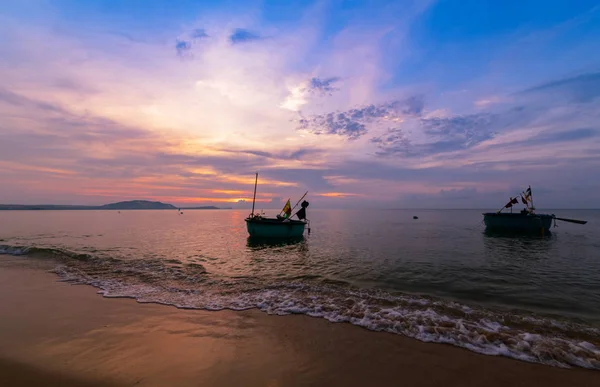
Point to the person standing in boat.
(301, 214)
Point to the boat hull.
(517, 222)
(275, 228)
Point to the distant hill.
(137, 205)
(127, 205)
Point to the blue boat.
(524, 221)
(281, 226)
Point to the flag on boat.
(523, 200)
(512, 201)
(526, 196)
(287, 209)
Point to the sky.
(378, 104)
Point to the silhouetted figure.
(301, 214)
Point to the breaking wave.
(520, 335)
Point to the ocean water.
(440, 278)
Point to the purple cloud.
(323, 86)
(353, 123)
(394, 141)
(199, 33)
(183, 47)
(580, 89)
(240, 35)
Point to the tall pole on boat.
(298, 202)
(531, 193)
(254, 197)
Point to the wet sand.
(56, 334)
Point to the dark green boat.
(518, 221)
(281, 226)
(262, 227)
(524, 221)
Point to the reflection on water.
(258, 243)
(536, 235)
(508, 243)
(513, 246)
(281, 258)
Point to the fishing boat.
(524, 221)
(281, 226)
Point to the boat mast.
(532, 207)
(254, 197)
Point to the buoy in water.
(415, 217)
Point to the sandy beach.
(56, 334)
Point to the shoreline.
(55, 333)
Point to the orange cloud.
(340, 180)
(249, 180)
(337, 194)
(35, 168)
(228, 191)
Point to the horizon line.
(232, 207)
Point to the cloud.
(290, 154)
(581, 89)
(300, 94)
(240, 35)
(412, 106)
(15, 99)
(566, 136)
(94, 116)
(557, 137)
(446, 135)
(457, 194)
(183, 47)
(322, 86)
(61, 129)
(353, 123)
(459, 131)
(335, 123)
(394, 141)
(102, 158)
(199, 33)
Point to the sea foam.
(524, 336)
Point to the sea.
(439, 278)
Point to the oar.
(298, 202)
(572, 220)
